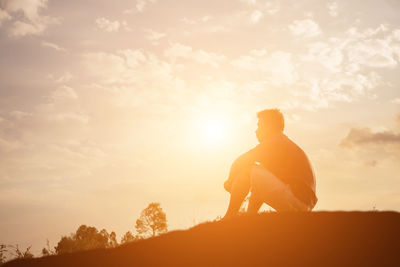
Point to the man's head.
(270, 122)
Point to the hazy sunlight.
(212, 130)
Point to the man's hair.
(273, 118)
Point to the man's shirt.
(288, 162)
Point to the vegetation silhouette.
(15, 252)
(3, 250)
(128, 237)
(152, 222)
(86, 237)
(270, 239)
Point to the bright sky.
(106, 106)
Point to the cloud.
(64, 92)
(30, 8)
(219, 28)
(3, 16)
(69, 117)
(364, 136)
(154, 36)
(53, 46)
(348, 68)
(7, 146)
(203, 19)
(333, 9)
(377, 53)
(329, 56)
(278, 65)
(142, 4)
(32, 22)
(17, 114)
(131, 78)
(110, 26)
(256, 16)
(178, 51)
(306, 28)
(249, 2)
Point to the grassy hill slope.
(271, 239)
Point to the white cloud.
(154, 36)
(305, 28)
(256, 16)
(132, 78)
(206, 18)
(108, 67)
(125, 67)
(33, 23)
(278, 65)
(258, 53)
(141, 4)
(396, 34)
(30, 8)
(203, 19)
(17, 114)
(343, 69)
(133, 57)
(69, 117)
(189, 21)
(219, 28)
(3, 16)
(366, 48)
(395, 101)
(61, 79)
(272, 7)
(53, 46)
(22, 28)
(376, 53)
(7, 146)
(333, 9)
(330, 56)
(249, 2)
(110, 26)
(37, 27)
(64, 92)
(177, 51)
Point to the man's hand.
(228, 185)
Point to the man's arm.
(243, 163)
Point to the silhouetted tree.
(128, 237)
(112, 238)
(3, 250)
(18, 254)
(47, 251)
(86, 237)
(152, 221)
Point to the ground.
(270, 239)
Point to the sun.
(212, 130)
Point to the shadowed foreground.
(300, 239)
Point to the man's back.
(287, 161)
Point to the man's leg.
(266, 187)
(240, 189)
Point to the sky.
(106, 106)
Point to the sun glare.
(212, 130)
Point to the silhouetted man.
(276, 171)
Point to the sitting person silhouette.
(276, 171)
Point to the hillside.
(289, 239)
